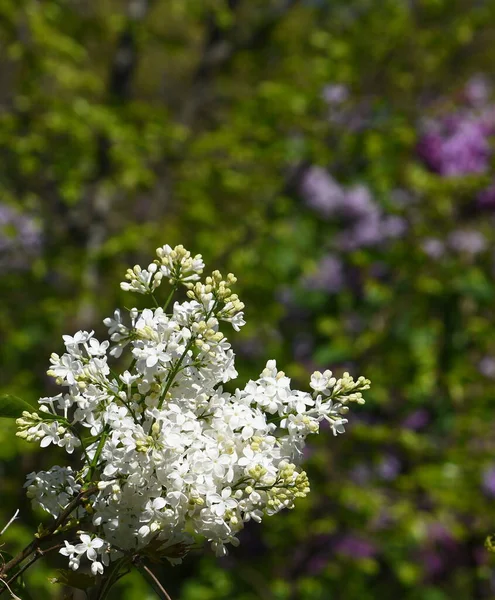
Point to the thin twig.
(39, 553)
(10, 522)
(60, 520)
(154, 578)
(7, 587)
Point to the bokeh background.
(338, 157)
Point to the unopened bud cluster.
(172, 457)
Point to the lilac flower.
(321, 192)
(433, 247)
(467, 241)
(488, 481)
(393, 226)
(486, 367)
(336, 93)
(20, 238)
(359, 203)
(477, 91)
(355, 547)
(360, 474)
(457, 145)
(437, 532)
(329, 276)
(416, 420)
(430, 149)
(466, 150)
(364, 223)
(389, 467)
(433, 562)
(486, 198)
(371, 231)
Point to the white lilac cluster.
(167, 456)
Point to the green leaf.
(12, 407)
(80, 581)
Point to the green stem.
(96, 457)
(154, 300)
(173, 372)
(170, 296)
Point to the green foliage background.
(127, 125)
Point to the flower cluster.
(167, 456)
(459, 143)
(20, 238)
(364, 222)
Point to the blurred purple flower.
(416, 420)
(486, 367)
(389, 467)
(477, 91)
(335, 93)
(355, 547)
(371, 231)
(20, 238)
(285, 295)
(360, 474)
(433, 562)
(488, 481)
(458, 145)
(437, 532)
(486, 198)
(358, 203)
(329, 276)
(467, 241)
(364, 224)
(321, 192)
(433, 247)
(393, 226)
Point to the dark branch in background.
(222, 44)
(121, 73)
(97, 202)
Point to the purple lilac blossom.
(477, 91)
(437, 532)
(371, 231)
(335, 93)
(486, 367)
(364, 226)
(360, 474)
(467, 241)
(329, 276)
(433, 247)
(321, 192)
(432, 562)
(389, 467)
(355, 547)
(20, 238)
(488, 481)
(359, 203)
(416, 420)
(458, 145)
(486, 198)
